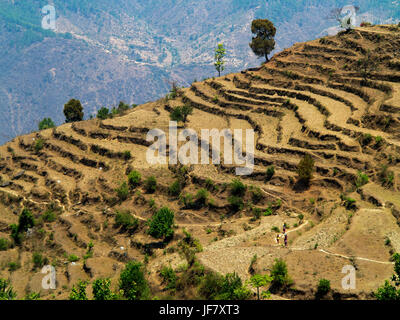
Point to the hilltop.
(309, 99)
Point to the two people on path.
(284, 235)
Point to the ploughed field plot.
(310, 99)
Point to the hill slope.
(106, 51)
(309, 99)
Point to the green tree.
(46, 123)
(150, 184)
(258, 281)
(102, 290)
(126, 221)
(390, 290)
(134, 178)
(79, 292)
(180, 114)
(161, 224)
(103, 113)
(219, 58)
(305, 169)
(367, 64)
(73, 111)
(263, 42)
(279, 274)
(133, 283)
(324, 286)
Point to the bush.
(49, 216)
(236, 203)
(175, 189)
(256, 194)
(270, 173)
(39, 144)
(126, 222)
(126, 155)
(73, 111)
(202, 197)
(305, 169)
(12, 266)
(122, 107)
(216, 287)
(348, 203)
(79, 292)
(134, 179)
(38, 260)
(6, 290)
(180, 114)
(169, 277)
(46, 123)
(161, 224)
(103, 113)
(102, 290)
(187, 200)
(150, 184)
(123, 191)
(324, 286)
(73, 258)
(238, 188)
(25, 221)
(257, 213)
(366, 139)
(279, 274)
(362, 179)
(133, 283)
(386, 177)
(4, 244)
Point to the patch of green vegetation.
(161, 224)
(125, 221)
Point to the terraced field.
(309, 99)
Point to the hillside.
(106, 51)
(309, 99)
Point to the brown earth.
(309, 99)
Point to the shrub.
(202, 197)
(103, 113)
(256, 194)
(386, 177)
(180, 114)
(133, 283)
(6, 290)
(38, 260)
(324, 286)
(134, 178)
(4, 244)
(236, 203)
(187, 200)
(126, 221)
(210, 185)
(161, 224)
(73, 258)
(169, 277)
(123, 191)
(366, 139)
(279, 274)
(79, 292)
(305, 169)
(175, 189)
(46, 123)
(12, 266)
(49, 216)
(122, 107)
(270, 173)
(256, 213)
(275, 229)
(362, 179)
(73, 111)
(102, 290)
(268, 212)
(39, 144)
(126, 155)
(150, 184)
(238, 188)
(348, 203)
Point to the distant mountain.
(106, 51)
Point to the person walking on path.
(284, 228)
(286, 239)
(277, 238)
